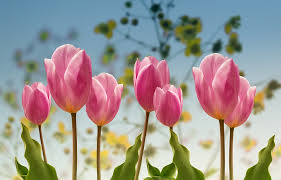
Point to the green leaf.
(22, 170)
(128, 168)
(159, 178)
(169, 170)
(260, 170)
(37, 167)
(181, 160)
(152, 171)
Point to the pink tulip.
(244, 106)
(217, 85)
(104, 99)
(36, 102)
(168, 104)
(148, 75)
(69, 75)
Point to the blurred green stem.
(42, 143)
(74, 149)
(222, 169)
(98, 153)
(231, 154)
(142, 146)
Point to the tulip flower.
(69, 76)
(103, 105)
(240, 114)
(217, 84)
(36, 102)
(148, 75)
(168, 104)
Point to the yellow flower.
(248, 144)
(206, 144)
(62, 129)
(259, 102)
(106, 29)
(105, 162)
(117, 141)
(123, 140)
(111, 138)
(277, 152)
(185, 116)
(17, 177)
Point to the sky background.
(260, 35)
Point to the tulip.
(168, 104)
(103, 105)
(240, 114)
(69, 75)
(217, 84)
(36, 102)
(148, 75)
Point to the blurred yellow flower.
(206, 144)
(185, 116)
(277, 152)
(17, 177)
(248, 143)
(105, 162)
(62, 130)
(113, 140)
(259, 102)
(27, 123)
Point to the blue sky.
(260, 35)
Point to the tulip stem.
(42, 143)
(231, 154)
(98, 153)
(222, 169)
(142, 146)
(74, 149)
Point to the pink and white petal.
(77, 78)
(62, 57)
(164, 71)
(158, 94)
(97, 103)
(136, 70)
(244, 87)
(27, 91)
(108, 82)
(204, 93)
(226, 85)
(148, 80)
(210, 64)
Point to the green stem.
(98, 153)
(231, 154)
(222, 169)
(42, 143)
(74, 149)
(142, 146)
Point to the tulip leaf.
(169, 170)
(128, 168)
(260, 170)
(37, 167)
(152, 171)
(182, 162)
(159, 178)
(22, 170)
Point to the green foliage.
(260, 170)
(109, 54)
(127, 169)
(210, 172)
(22, 170)
(167, 172)
(37, 167)
(182, 162)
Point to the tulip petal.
(169, 110)
(136, 70)
(157, 97)
(147, 81)
(62, 56)
(56, 85)
(113, 103)
(210, 65)
(108, 82)
(226, 87)
(97, 103)
(27, 91)
(37, 108)
(204, 92)
(164, 71)
(77, 78)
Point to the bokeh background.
(114, 34)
